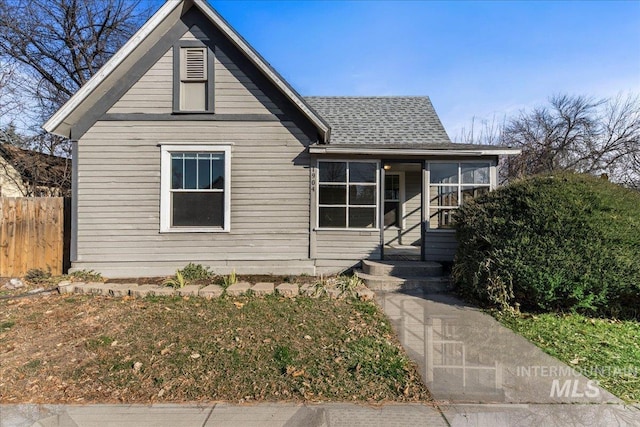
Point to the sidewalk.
(222, 414)
(480, 374)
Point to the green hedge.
(552, 243)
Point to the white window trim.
(165, 186)
(376, 228)
(491, 186)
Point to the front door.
(402, 210)
(393, 204)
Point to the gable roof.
(62, 121)
(38, 168)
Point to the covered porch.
(393, 205)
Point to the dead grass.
(81, 349)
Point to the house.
(29, 173)
(189, 147)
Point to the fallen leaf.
(137, 366)
(238, 305)
(195, 355)
(307, 337)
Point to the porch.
(392, 209)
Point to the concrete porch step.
(393, 284)
(402, 269)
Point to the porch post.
(423, 214)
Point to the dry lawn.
(81, 349)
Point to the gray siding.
(119, 197)
(440, 245)
(235, 92)
(153, 93)
(412, 213)
(341, 249)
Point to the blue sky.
(473, 58)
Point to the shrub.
(552, 243)
(196, 272)
(190, 273)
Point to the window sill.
(179, 112)
(194, 230)
(373, 230)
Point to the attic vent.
(194, 64)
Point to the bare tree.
(62, 43)
(8, 101)
(482, 131)
(574, 133)
(53, 48)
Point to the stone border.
(287, 290)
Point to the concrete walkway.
(480, 373)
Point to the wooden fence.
(34, 233)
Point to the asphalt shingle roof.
(381, 120)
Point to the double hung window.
(195, 188)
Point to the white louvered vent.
(194, 64)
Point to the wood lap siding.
(440, 245)
(236, 93)
(412, 213)
(119, 193)
(347, 245)
(153, 93)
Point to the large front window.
(195, 188)
(450, 185)
(347, 194)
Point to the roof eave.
(333, 149)
(74, 102)
(322, 126)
